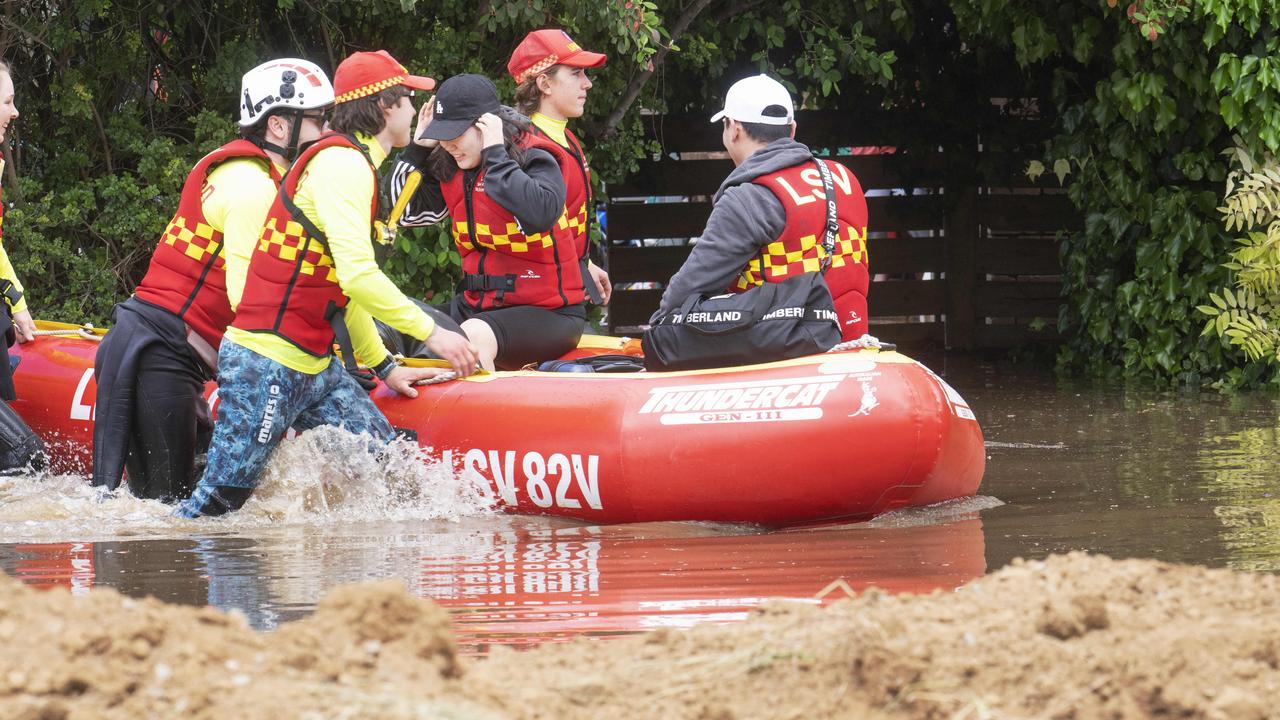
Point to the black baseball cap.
(460, 101)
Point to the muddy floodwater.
(1183, 477)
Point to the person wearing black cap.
(521, 299)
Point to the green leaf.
(1061, 168)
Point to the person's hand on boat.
(454, 349)
(490, 130)
(601, 279)
(365, 378)
(427, 112)
(24, 326)
(403, 378)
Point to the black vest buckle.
(489, 283)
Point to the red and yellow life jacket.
(798, 249)
(502, 265)
(578, 205)
(187, 275)
(292, 288)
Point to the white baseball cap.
(748, 98)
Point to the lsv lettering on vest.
(811, 176)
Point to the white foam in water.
(325, 474)
(330, 473)
(943, 512)
(1024, 446)
(66, 507)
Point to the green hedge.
(120, 97)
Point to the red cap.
(365, 73)
(542, 49)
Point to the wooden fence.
(963, 246)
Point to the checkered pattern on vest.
(544, 266)
(783, 260)
(187, 273)
(285, 239)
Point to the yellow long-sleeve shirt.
(554, 129)
(237, 196)
(7, 272)
(6, 268)
(335, 192)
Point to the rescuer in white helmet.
(151, 416)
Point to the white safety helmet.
(283, 83)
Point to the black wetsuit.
(20, 449)
(151, 417)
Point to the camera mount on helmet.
(287, 85)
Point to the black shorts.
(527, 334)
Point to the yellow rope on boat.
(866, 341)
(85, 331)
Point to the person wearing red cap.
(550, 71)
(152, 367)
(313, 280)
(521, 299)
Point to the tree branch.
(638, 82)
(482, 13)
(102, 133)
(735, 9)
(10, 171)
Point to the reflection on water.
(1184, 477)
(520, 580)
(1181, 476)
(1242, 465)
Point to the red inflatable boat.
(833, 437)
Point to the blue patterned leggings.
(258, 401)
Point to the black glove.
(366, 378)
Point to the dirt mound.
(369, 651)
(1073, 637)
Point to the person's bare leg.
(484, 341)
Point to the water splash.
(322, 475)
(45, 507)
(329, 473)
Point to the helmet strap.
(275, 149)
(290, 150)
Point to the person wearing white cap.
(769, 215)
